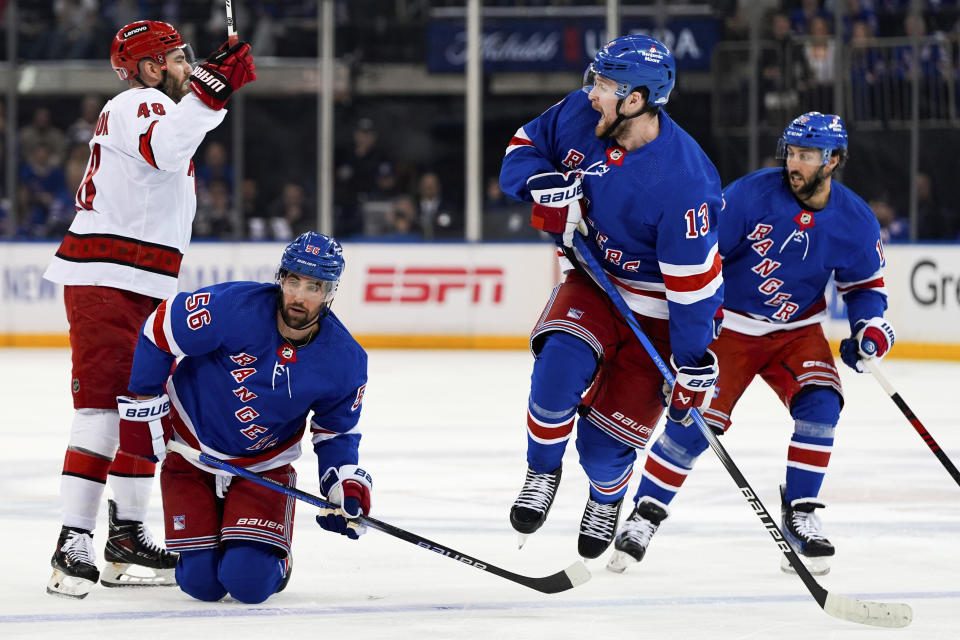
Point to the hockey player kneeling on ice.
(255, 361)
(608, 162)
(784, 232)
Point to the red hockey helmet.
(139, 40)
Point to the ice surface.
(444, 438)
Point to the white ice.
(444, 437)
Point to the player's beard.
(807, 187)
(606, 129)
(175, 89)
(297, 321)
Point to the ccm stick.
(573, 576)
(934, 447)
(878, 614)
(231, 24)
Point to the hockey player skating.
(256, 359)
(783, 233)
(122, 253)
(607, 161)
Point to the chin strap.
(620, 118)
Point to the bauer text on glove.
(145, 426)
(349, 489)
(692, 389)
(557, 204)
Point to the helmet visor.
(308, 289)
(811, 156)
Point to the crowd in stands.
(379, 191)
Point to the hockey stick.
(231, 24)
(911, 416)
(573, 576)
(879, 614)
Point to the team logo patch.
(575, 314)
(615, 156)
(804, 220)
(359, 400)
(76, 385)
(179, 523)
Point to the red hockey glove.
(145, 426)
(872, 339)
(557, 204)
(348, 487)
(693, 388)
(225, 71)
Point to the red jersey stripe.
(696, 281)
(146, 150)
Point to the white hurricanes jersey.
(136, 204)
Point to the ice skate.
(802, 528)
(597, 527)
(635, 534)
(133, 559)
(74, 564)
(530, 509)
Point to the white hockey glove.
(145, 426)
(557, 204)
(871, 339)
(349, 488)
(693, 388)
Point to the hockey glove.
(226, 70)
(871, 339)
(557, 204)
(145, 426)
(349, 488)
(692, 389)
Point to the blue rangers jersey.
(240, 391)
(778, 256)
(651, 214)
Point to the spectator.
(251, 205)
(437, 218)
(802, 16)
(892, 227)
(215, 218)
(355, 177)
(76, 22)
(505, 218)
(215, 166)
(783, 71)
(402, 221)
(45, 181)
(41, 130)
(83, 127)
(287, 217)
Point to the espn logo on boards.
(422, 285)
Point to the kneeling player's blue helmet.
(633, 62)
(313, 255)
(818, 130)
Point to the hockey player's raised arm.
(169, 141)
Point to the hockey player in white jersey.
(122, 253)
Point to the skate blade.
(819, 566)
(522, 539)
(121, 574)
(619, 562)
(61, 584)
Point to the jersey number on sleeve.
(199, 317)
(87, 190)
(693, 231)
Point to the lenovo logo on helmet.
(135, 31)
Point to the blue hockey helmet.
(818, 130)
(633, 62)
(313, 255)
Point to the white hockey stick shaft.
(231, 23)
